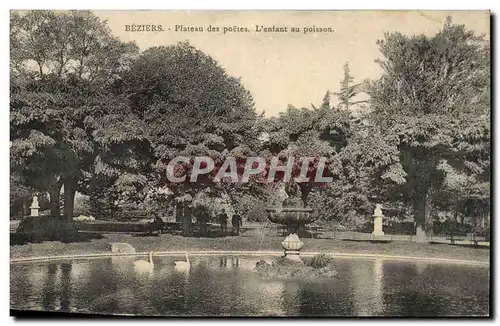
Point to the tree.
(300, 133)
(368, 171)
(188, 106)
(431, 91)
(62, 64)
(348, 90)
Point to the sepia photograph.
(246, 163)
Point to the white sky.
(282, 69)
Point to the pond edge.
(248, 253)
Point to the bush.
(320, 261)
(82, 205)
(84, 218)
(321, 266)
(47, 228)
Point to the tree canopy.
(89, 113)
(433, 97)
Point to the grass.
(168, 242)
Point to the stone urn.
(292, 218)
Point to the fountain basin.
(292, 218)
(287, 215)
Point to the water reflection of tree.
(329, 297)
(368, 282)
(100, 295)
(168, 292)
(49, 288)
(65, 290)
(439, 290)
(21, 288)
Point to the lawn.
(167, 242)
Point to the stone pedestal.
(377, 221)
(292, 246)
(35, 207)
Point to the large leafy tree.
(187, 106)
(434, 97)
(320, 132)
(62, 64)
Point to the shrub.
(47, 228)
(82, 205)
(320, 261)
(281, 268)
(84, 218)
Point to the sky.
(289, 68)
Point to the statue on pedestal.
(35, 207)
(377, 221)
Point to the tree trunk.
(429, 223)
(420, 232)
(69, 198)
(422, 209)
(187, 222)
(304, 194)
(54, 192)
(26, 209)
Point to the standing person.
(223, 221)
(236, 222)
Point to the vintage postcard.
(250, 163)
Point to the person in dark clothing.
(203, 222)
(223, 222)
(236, 222)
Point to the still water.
(227, 286)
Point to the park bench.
(315, 231)
(474, 238)
(451, 238)
(281, 230)
(172, 228)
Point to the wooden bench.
(172, 228)
(475, 239)
(281, 230)
(450, 238)
(315, 231)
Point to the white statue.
(377, 221)
(378, 210)
(34, 206)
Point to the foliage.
(348, 90)
(18, 190)
(89, 114)
(432, 99)
(62, 64)
(320, 132)
(82, 205)
(282, 268)
(47, 228)
(320, 261)
(212, 119)
(84, 218)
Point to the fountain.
(293, 218)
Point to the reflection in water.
(227, 286)
(368, 283)
(49, 288)
(273, 292)
(65, 286)
(421, 267)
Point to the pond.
(227, 286)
